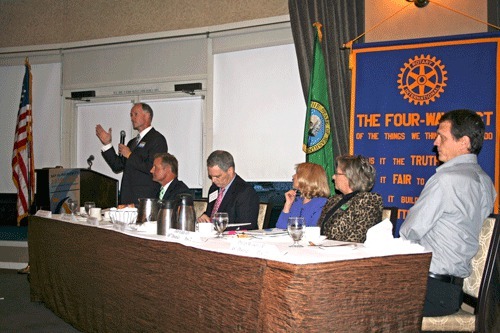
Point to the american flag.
(23, 167)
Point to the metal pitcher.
(148, 210)
(164, 220)
(184, 215)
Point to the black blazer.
(137, 181)
(241, 202)
(175, 188)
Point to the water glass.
(296, 228)
(220, 221)
(88, 205)
(72, 206)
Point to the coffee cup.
(205, 228)
(95, 212)
(313, 233)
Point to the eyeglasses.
(339, 174)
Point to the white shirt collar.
(145, 131)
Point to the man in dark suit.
(229, 192)
(164, 171)
(136, 158)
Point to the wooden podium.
(55, 185)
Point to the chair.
(391, 213)
(264, 215)
(200, 206)
(480, 288)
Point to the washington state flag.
(317, 139)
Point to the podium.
(54, 186)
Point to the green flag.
(317, 137)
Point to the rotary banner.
(401, 89)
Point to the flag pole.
(30, 139)
(317, 142)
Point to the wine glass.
(220, 221)
(72, 205)
(296, 227)
(88, 205)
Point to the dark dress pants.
(442, 298)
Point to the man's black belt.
(448, 279)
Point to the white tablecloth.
(266, 247)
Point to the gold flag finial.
(318, 26)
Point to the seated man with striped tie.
(164, 171)
(230, 193)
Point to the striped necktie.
(136, 142)
(217, 202)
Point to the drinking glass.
(72, 205)
(220, 221)
(88, 205)
(296, 227)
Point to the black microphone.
(89, 161)
(122, 138)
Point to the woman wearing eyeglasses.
(347, 216)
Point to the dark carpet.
(13, 233)
(19, 314)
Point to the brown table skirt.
(103, 281)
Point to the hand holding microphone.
(123, 149)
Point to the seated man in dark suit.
(164, 171)
(229, 192)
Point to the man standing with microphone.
(136, 158)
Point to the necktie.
(218, 201)
(136, 142)
(162, 192)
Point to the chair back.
(200, 206)
(488, 307)
(391, 213)
(264, 214)
(472, 283)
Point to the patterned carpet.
(13, 233)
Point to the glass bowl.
(121, 218)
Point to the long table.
(101, 280)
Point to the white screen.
(259, 111)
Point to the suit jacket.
(352, 220)
(240, 202)
(175, 188)
(137, 181)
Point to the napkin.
(379, 238)
(379, 234)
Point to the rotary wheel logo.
(422, 80)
